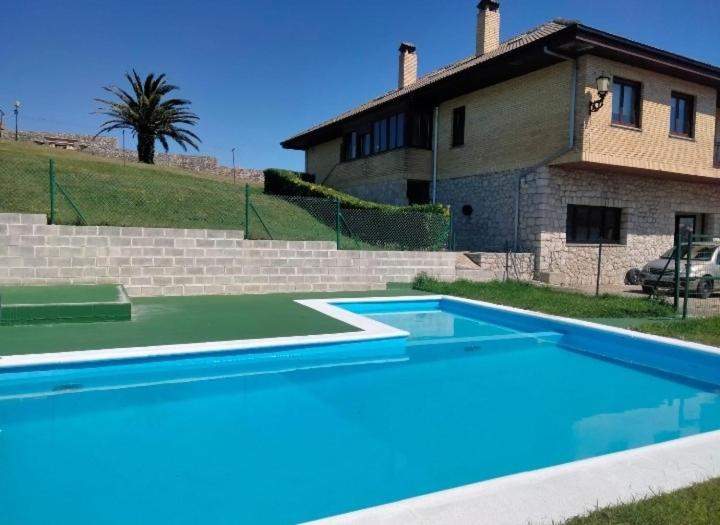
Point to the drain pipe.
(563, 151)
(436, 118)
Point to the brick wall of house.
(321, 159)
(510, 125)
(651, 146)
(379, 177)
(161, 261)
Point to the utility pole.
(2, 115)
(233, 164)
(123, 147)
(17, 109)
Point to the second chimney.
(488, 27)
(407, 72)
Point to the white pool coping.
(368, 330)
(552, 495)
(537, 497)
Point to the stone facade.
(649, 206)
(104, 146)
(506, 265)
(488, 223)
(161, 261)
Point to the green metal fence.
(350, 228)
(689, 276)
(104, 193)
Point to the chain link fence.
(103, 193)
(687, 275)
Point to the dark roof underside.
(514, 57)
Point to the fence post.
(687, 277)
(676, 298)
(599, 268)
(450, 243)
(51, 180)
(337, 223)
(247, 211)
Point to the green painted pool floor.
(63, 303)
(66, 294)
(175, 320)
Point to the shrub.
(424, 227)
(286, 182)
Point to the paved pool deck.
(178, 320)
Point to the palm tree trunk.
(146, 148)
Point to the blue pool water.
(288, 436)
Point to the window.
(389, 133)
(349, 150)
(589, 224)
(458, 127)
(421, 130)
(418, 191)
(400, 130)
(626, 103)
(382, 135)
(366, 144)
(392, 132)
(682, 111)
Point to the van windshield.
(699, 253)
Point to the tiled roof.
(447, 71)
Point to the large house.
(546, 142)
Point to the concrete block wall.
(164, 261)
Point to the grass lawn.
(549, 300)
(696, 505)
(700, 330)
(108, 193)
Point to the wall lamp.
(603, 87)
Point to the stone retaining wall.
(162, 261)
(104, 146)
(516, 266)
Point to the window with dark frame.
(366, 144)
(458, 127)
(389, 133)
(590, 224)
(626, 102)
(682, 113)
(349, 148)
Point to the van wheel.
(705, 287)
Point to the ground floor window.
(590, 224)
(418, 192)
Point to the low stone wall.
(161, 261)
(104, 146)
(517, 266)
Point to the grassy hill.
(108, 193)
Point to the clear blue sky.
(259, 71)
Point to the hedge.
(286, 182)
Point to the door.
(685, 227)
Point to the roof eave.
(305, 140)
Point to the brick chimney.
(407, 72)
(488, 27)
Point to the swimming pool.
(295, 433)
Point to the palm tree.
(149, 116)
